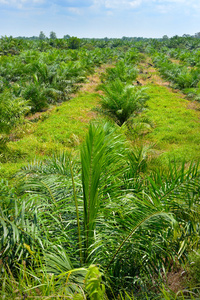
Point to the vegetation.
(121, 101)
(99, 206)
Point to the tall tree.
(74, 42)
(42, 35)
(53, 35)
(165, 37)
(67, 36)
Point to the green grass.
(176, 131)
(67, 121)
(62, 128)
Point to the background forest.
(99, 181)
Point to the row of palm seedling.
(33, 80)
(122, 97)
(47, 77)
(185, 56)
(182, 77)
(188, 61)
(14, 46)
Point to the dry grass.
(94, 80)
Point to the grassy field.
(175, 121)
(103, 204)
(174, 132)
(176, 126)
(61, 128)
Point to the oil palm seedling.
(12, 111)
(62, 183)
(127, 73)
(92, 217)
(121, 101)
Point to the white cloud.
(186, 3)
(74, 10)
(122, 4)
(106, 6)
(39, 1)
(161, 5)
(135, 3)
(117, 4)
(109, 13)
(169, 1)
(163, 9)
(19, 3)
(186, 6)
(112, 4)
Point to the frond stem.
(77, 214)
(129, 235)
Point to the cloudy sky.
(99, 18)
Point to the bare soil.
(94, 80)
(175, 280)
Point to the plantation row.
(100, 223)
(179, 75)
(179, 64)
(33, 80)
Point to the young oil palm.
(123, 71)
(59, 183)
(12, 111)
(121, 101)
(94, 216)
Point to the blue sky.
(100, 18)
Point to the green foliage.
(139, 223)
(42, 35)
(52, 35)
(97, 152)
(181, 76)
(92, 158)
(102, 208)
(138, 158)
(123, 71)
(34, 283)
(48, 77)
(73, 42)
(122, 101)
(12, 111)
(18, 219)
(193, 269)
(93, 283)
(36, 95)
(175, 127)
(185, 294)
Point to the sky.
(100, 18)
